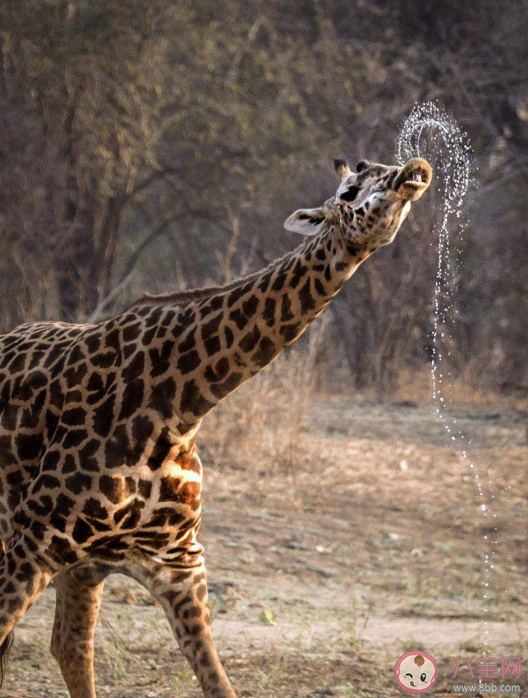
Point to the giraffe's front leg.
(183, 595)
(23, 577)
(76, 611)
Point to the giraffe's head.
(370, 204)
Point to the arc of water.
(455, 170)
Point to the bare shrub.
(260, 427)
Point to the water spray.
(453, 163)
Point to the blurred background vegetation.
(159, 145)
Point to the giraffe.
(99, 469)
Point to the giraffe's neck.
(224, 339)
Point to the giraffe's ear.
(306, 221)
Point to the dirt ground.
(325, 570)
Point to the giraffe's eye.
(409, 675)
(423, 677)
(350, 195)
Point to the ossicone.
(342, 168)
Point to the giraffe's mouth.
(413, 179)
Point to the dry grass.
(467, 390)
(259, 428)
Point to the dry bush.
(260, 427)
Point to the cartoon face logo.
(416, 671)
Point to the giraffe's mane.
(183, 298)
